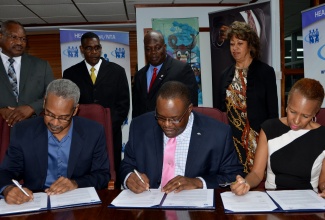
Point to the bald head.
(155, 48)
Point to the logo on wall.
(321, 53)
(313, 36)
(119, 53)
(71, 51)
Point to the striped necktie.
(12, 77)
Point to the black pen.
(137, 173)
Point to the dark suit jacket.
(211, 153)
(111, 89)
(27, 155)
(221, 55)
(171, 70)
(262, 98)
(35, 75)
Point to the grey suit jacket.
(35, 75)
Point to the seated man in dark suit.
(177, 149)
(56, 153)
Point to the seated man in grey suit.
(56, 153)
(23, 78)
(176, 149)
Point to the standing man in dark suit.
(57, 152)
(161, 68)
(109, 87)
(203, 153)
(23, 78)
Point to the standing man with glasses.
(23, 78)
(176, 149)
(104, 83)
(160, 69)
(56, 153)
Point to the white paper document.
(39, 203)
(75, 197)
(127, 198)
(253, 201)
(297, 199)
(190, 198)
(197, 198)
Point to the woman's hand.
(240, 186)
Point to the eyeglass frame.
(171, 120)
(59, 118)
(15, 38)
(89, 49)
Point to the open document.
(298, 200)
(77, 197)
(273, 201)
(196, 199)
(253, 201)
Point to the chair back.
(213, 113)
(103, 116)
(320, 117)
(4, 138)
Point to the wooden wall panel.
(47, 47)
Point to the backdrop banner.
(115, 48)
(313, 28)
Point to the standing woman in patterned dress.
(248, 90)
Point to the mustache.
(53, 127)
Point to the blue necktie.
(13, 78)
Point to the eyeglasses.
(62, 118)
(15, 38)
(171, 120)
(90, 49)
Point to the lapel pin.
(198, 133)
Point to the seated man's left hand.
(61, 185)
(18, 114)
(180, 183)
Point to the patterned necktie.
(250, 20)
(93, 75)
(168, 172)
(12, 77)
(154, 75)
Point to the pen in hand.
(138, 175)
(19, 186)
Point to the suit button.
(96, 100)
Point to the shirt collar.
(187, 130)
(96, 66)
(69, 134)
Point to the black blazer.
(171, 70)
(111, 89)
(262, 98)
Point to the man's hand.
(13, 195)
(180, 183)
(222, 34)
(5, 112)
(61, 185)
(18, 114)
(136, 185)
